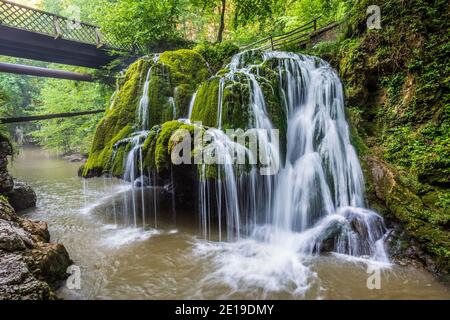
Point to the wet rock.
(416, 238)
(350, 230)
(329, 234)
(405, 250)
(12, 237)
(382, 176)
(37, 229)
(48, 261)
(18, 283)
(142, 181)
(361, 220)
(7, 212)
(22, 196)
(76, 157)
(30, 266)
(328, 240)
(360, 227)
(6, 181)
(12, 269)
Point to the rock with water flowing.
(314, 186)
(142, 181)
(153, 90)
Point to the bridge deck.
(24, 44)
(34, 34)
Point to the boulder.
(30, 266)
(142, 181)
(18, 283)
(22, 196)
(12, 237)
(76, 157)
(6, 181)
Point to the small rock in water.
(142, 181)
(22, 196)
(169, 187)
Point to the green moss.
(235, 104)
(99, 161)
(117, 121)
(218, 54)
(158, 146)
(182, 96)
(327, 50)
(357, 142)
(275, 105)
(117, 167)
(162, 153)
(425, 225)
(148, 148)
(206, 102)
(176, 74)
(185, 67)
(236, 108)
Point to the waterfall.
(143, 112)
(316, 196)
(133, 166)
(114, 96)
(191, 105)
(318, 192)
(173, 106)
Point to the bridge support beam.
(49, 116)
(43, 72)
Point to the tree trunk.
(222, 22)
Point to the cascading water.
(314, 203)
(173, 106)
(114, 97)
(143, 114)
(191, 105)
(318, 194)
(134, 166)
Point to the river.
(173, 262)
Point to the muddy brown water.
(172, 262)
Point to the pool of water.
(167, 261)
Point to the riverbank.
(31, 267)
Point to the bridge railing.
(38, 21)
(277, 42)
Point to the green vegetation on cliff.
(398, 94)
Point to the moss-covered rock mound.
(170, 80)
(172, 77)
